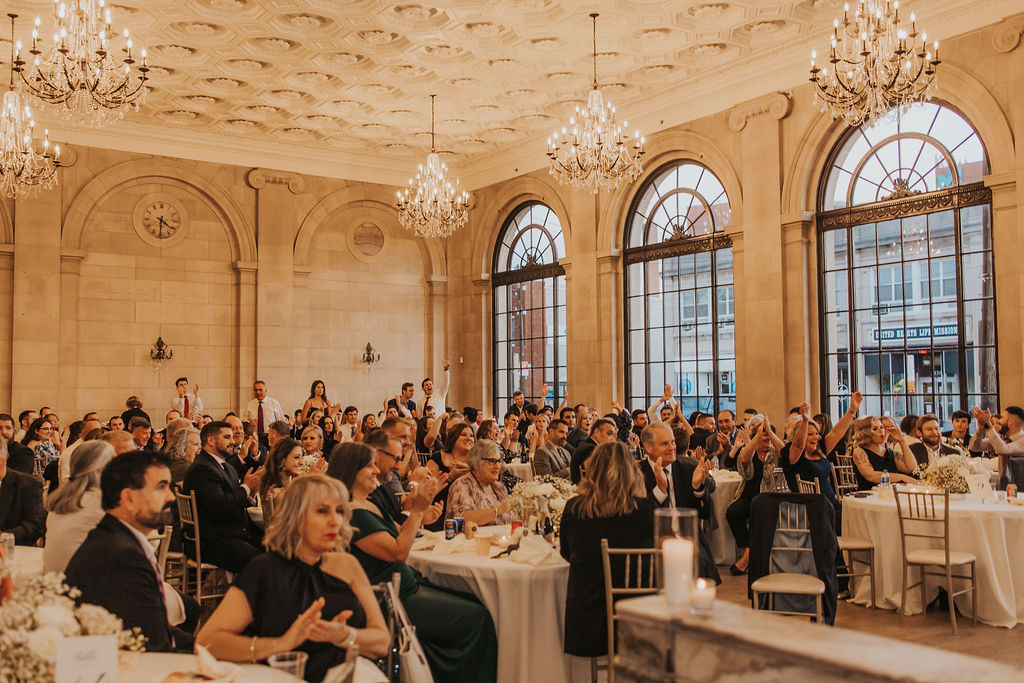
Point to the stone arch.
(959, 89)
(518, 191)
(239, 232)
(672, 146)
(376, 198)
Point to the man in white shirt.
(667, 407)
(262, 410)
(64, 465)
(348, 425)
(26, 418)
(987, 438)
(436, 400)
(188, 404)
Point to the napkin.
(209, 668)
(459, 544)
(535, 551)
(427, 540)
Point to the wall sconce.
(370, 358)
(161, 352)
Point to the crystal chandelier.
(23, 169)
(874, 64)
(81, 79)
(432, 205)
(593, 151)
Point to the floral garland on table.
(530, 496)
(37, 613)
(949, 471)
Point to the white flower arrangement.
(530, 496)
(949, 471)
(41, 611)
(311, 462)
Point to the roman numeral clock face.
(160, 220)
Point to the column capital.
(775, 106)
(259, 178)
(1006, 35)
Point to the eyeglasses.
(491, 461)
(45, 429)
(395, 457)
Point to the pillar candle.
(677, 556)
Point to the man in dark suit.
(227, 536)
(115, 567)
(930, 446)
(21, 504)
(19, 457)
(602, 430)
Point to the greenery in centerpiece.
(528, 497)
(949, 472)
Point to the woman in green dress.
(456, 631)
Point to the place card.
(980, 486)
(87, 659)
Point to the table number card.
(87, 659)
(980, 485)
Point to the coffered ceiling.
(341, 88)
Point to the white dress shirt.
(438, 398)
(195, 404)
(660, 495)
(271, 411)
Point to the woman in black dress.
(610, 503)
(872, 455)
(306, 593)
(452, 461)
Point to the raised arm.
(839, 430)
(796, 449)
(652, 412)
(906, 461)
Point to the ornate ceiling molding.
(775, 106)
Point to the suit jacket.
(221, 500)
(920, 452)
(243, 467)
(579, 456)
(21, 507)
(682, 484)
(20, 458)
(551, 459)
(111, 570)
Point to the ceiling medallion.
(83, 78)
(874, 64)
(594, 151)
(433, 205)
(23, 168)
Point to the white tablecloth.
(994, 533)
(527, 604)
(153, 667)
(27, 559)
(723, 545)
(522, 470)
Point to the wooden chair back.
(639, 578)
(804, 486)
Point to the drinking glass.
(293, 662)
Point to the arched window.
(907, 308)
(529, 307)
(679, 291)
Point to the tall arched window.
(907, 307)
(679, 291)
(529, 306)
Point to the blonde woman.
(873, 455)
(312, 441)
(306, 593)
(611, 503)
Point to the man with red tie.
(187, 403)
(261, 411)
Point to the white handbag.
(412, 662)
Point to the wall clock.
(160, 220)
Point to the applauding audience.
(480, 496)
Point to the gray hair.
(480, 450)
(87, 463)
(649, 433)
(176, 444)
(285, 531)
(174, 426)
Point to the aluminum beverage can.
(1011, 491)
(460, 525)
(450, 529)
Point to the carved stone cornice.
(967, 195)
(775, 106)
(678, 247)
(528, 273)
(1006, 35)
(258, 178)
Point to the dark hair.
(1016, 411)
(4, 417)
(74, 430)
(563, 411)
(32, 433)
(750, 411)
(637, 413)
(824, 421)
(926, 418)
(377, 438)
(312, 389)
(180, 380)
(516, 393)
(23, 414)
(259, 381)
(212, 429)
(406, 385)
(602, 421)
(424, 382)
(470, 413)
(128, 471)
(530, 409)
(957, 415)
(281, 427)
(557, 421)
(138, 421)
(484, 429)
(908, 423)
(682, 438)
(510, 414)
(453, 434)
(694, 416)
(350, 409)
(131, 402)
(346, 461)
(362, 423)
(726, 410)
(323, 420)
(274, 474)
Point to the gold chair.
(792, 520)
(779, 484)
(846, 479)
(639, 579)
(188, 514)
(921, 517)
(804, 486)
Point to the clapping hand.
(299, 631)
(700, 473)
(433, 513)
(195, 389)
(984, 417)
(805, 410)
(253, 478)
(659, 475)
(335, 631)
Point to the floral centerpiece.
(949, 471)
(39, 610)
(549, 491)
(312, 462)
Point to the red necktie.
(259, 420)
(186, 406)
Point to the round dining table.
(526, 602)
(27, 559)
(153, 667)
(992, 531)
(723, 545)
(523, 470)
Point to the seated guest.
(551, 456)
(930, 446)
(677, 484)
(229, 538)
(21, 503)
(19, 457)
(584, 425)
(480, 496)
(75, 507)
(245, 446)
(121, 441)
(327, 428)
(610, 503)
(284, 463)
(958, 436)
(313, 441)
(451, 461)
(455, 630)
(757, 461)
(603, 430)
(872, 455)
(141, 431)
(39, 438)
(387, 451)
(990, 437)
(115, 567)
(306, 593)
(182, 449)
(277, 430)
(76, 437)
(808, 461)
